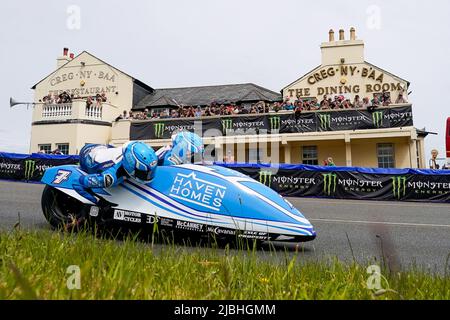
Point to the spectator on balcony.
(324, 102)
(98, 101)
(208, 112)
(198, 112)
(276, 107)
(386, 98)
(346, 104)
(376, 101)
(89, 102)
(104, 98)
(368, 105)
(191, 112)
(243, 110)
(357, 102)
(298, 110)
(400, 99)
(288, 106)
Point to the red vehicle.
(447, 141)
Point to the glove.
(91, 181)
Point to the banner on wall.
(352, 183)
(275, 123)
(24, 167)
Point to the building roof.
(138, 82)
(163, 101)
(194, 96)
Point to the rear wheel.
(61, 210)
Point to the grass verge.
(34, 265)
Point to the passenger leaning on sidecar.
(186, 147)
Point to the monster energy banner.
(352, 183)
(24, 167)
(276, 123)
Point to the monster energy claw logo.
(377, 118)
(30, 167)
(329, 183)
(265, 177)
(275, 123)
(227, 124)
(399, 187)
(325, 121)
(159, 129)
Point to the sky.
(203, 42)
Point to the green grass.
(33, 265)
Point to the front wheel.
(61, 210)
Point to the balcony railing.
(93, 112)
(77, 109)
(57, 111)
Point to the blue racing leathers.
(103, 163)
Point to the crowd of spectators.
(64, 97)
(299, 105)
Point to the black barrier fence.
(319, 121)
(289, 180)
(30, 167)
(351, 183)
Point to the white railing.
(54, 111)
(94, 112)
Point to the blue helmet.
(186, 146)
(139, 161)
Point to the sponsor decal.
(377, 119)
(9, 168)
(61, 176)
(159, 129)
(165, 222)
(197, 191)
(399, 187)
(227, 124)
(254, 235)
(191, 226)
(325, 121)
(329, 183)
(221, 231)
(93, 211)
(151, 219)
(127, 216)
(30, 167)
(275, 123)
(265, 177)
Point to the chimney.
(352, 33)
(72, 56)
(331, 35)
(341, 34)
(60, 61)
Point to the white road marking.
(383, 223)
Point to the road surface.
(405, 232)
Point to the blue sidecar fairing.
(197, 199)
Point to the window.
(385, 152)
(46, 148)
(255, 155)
(63, 147)
(309, 155)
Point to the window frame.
(49, 145)
(64, 143)
(381, 157)
(314, 161)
